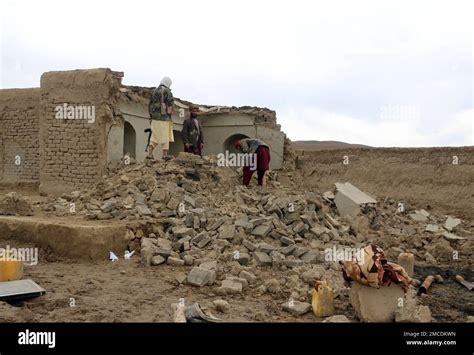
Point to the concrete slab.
(349, 198)
(375, 305)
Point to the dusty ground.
(127, 291)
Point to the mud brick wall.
(19, 142)
(73, 152)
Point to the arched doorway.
(129, 140)
(229, 142)
(177, 146)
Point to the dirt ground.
(125, 291)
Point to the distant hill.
(324, 145)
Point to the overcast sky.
(382, 73)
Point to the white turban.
(166, 81)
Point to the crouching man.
(262, 153)
(191, 134)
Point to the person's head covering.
(166, 81)
(193, 111)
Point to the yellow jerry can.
(323, 299)
(11, 270)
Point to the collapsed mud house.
(63, 134)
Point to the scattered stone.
(452, 236)
(221, 306)
(109, 205)
(299, 251)
(143, 210)
(201, 277)
(318, 230)
(243, 258)
(165, 253)
(311, 258)
(164, 243)
(183, 232)
(273, 286)
(430, 259)
(14, 204)
(441, 250)
(219, 222)
(336, 319)
(249, 245)
(451, 223)
(256, 222)
(231, 287)
(240, 280)
(189, 221)
(188, 260)
(329, 195)
(209, 265)
(189, 200)
(227, 232)
(251, 278)
(312, 275)
(201, 240)
(157, 260)
(418, 217)
(262, 259)
(175, 261)
(160, 195)
(299, 227)
(288, 250)
(261, 230)
(265, 248)
(296, 308)
(181, 277)
(287, 241)
(433, 228)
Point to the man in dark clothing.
(191, 133)
(262, 152)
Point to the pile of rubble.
(275, 239)
(14, 204)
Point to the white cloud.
(342, 59)
(316, 124)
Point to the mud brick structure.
(48, 136)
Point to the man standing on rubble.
(191, 134)
(260, 152)
(160, 109)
